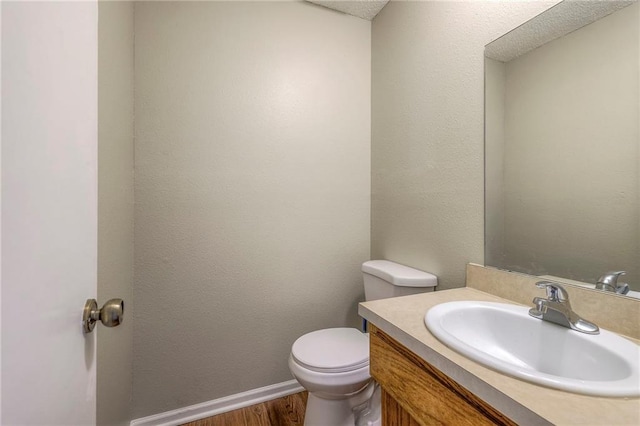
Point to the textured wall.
(252, 190)
(115, 207)
(571, 156)
(427, 133)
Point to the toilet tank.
(383, 279)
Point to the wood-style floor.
(285, 411)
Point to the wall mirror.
(562, 153)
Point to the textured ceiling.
(555, 22)
(365, 9)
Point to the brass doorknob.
(110, 314)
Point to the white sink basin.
(505, 338)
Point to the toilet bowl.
(333, 364)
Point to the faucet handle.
(622, 288)
(555, 292)
(611, 278)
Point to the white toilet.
(333, 364)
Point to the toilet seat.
(332, 350)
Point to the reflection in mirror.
(562, 144)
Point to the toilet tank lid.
(399, 275)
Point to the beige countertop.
(403, 319)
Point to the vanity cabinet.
(416, 393)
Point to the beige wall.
(427, 133)
(571, 153)
(252, 191)
(115, 207)
(494, 84)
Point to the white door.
(49, 211)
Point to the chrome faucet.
(557, 309)
(609, 282)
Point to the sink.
(505, 338)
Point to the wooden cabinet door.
(416, 393)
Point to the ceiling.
(365, 9)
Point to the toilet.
(333, 364)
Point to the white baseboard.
(219, 406)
